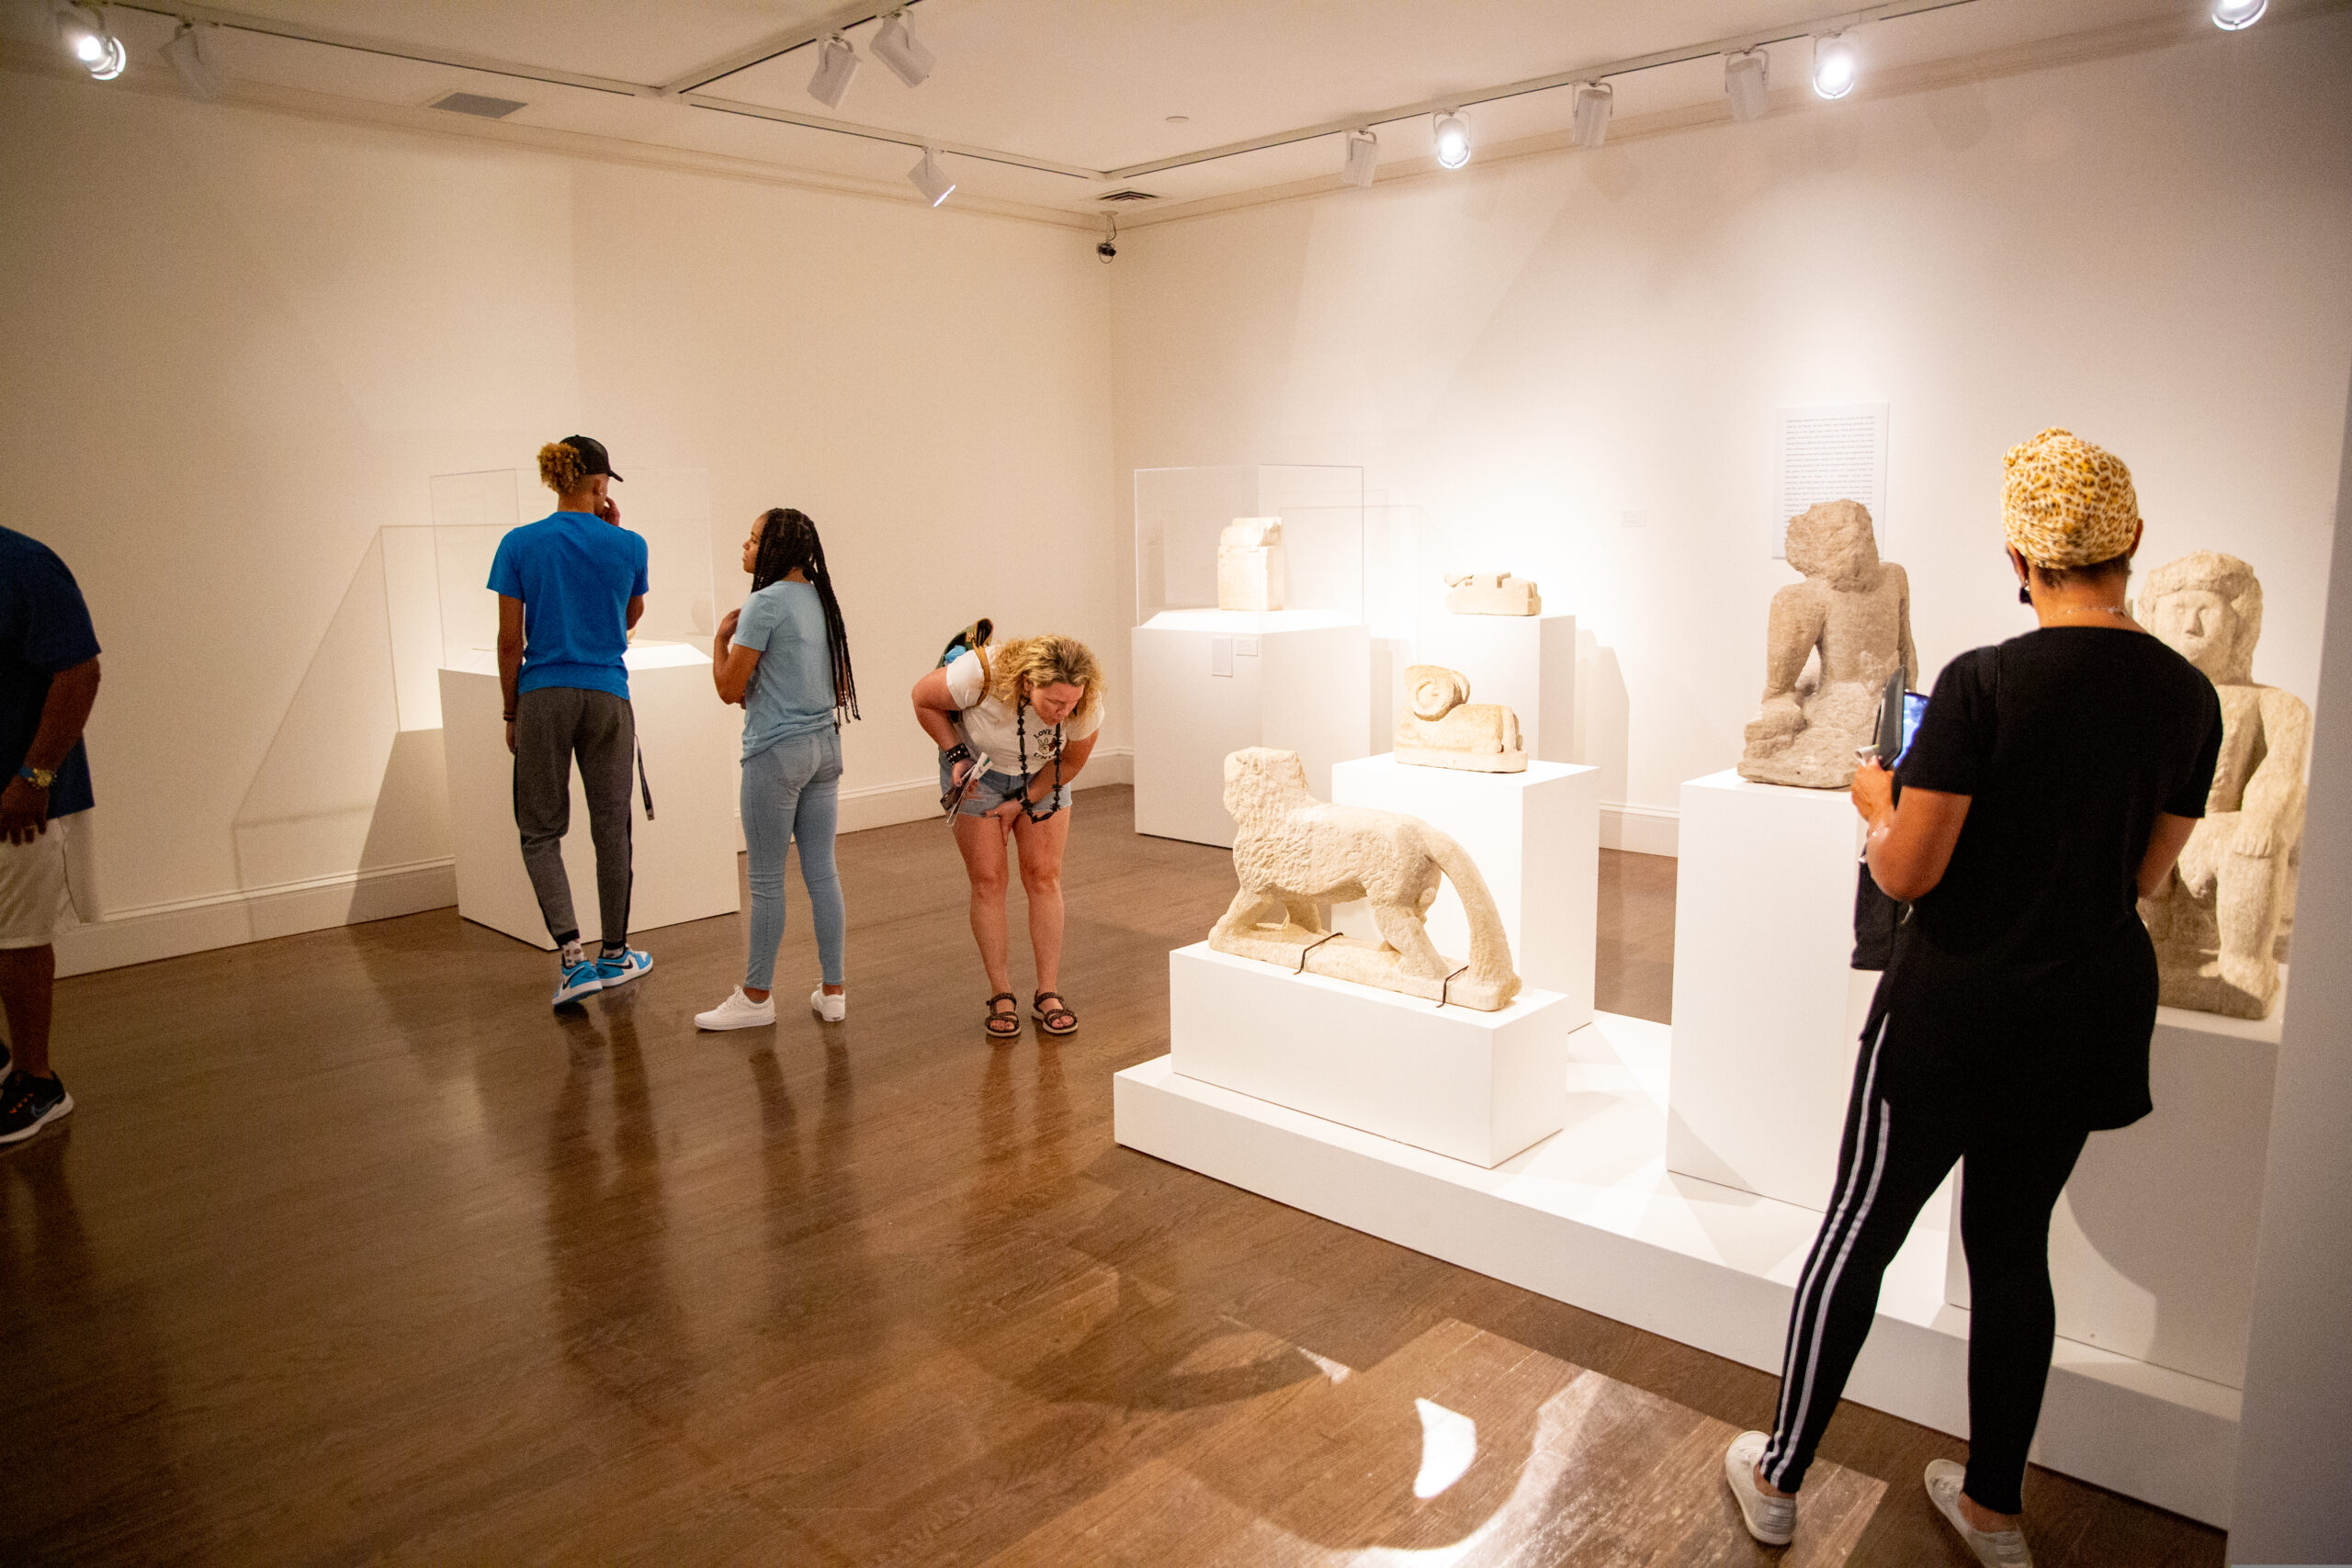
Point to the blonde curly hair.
(1049, 660)
(562, 469)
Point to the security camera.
(1106, 250)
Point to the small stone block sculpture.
(1250, 564)
(2216, 921)
(1829, 645)
(1492, 593)
(1297, 855)
(1440, 728)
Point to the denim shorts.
(993, 790)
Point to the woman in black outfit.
(2053, 781)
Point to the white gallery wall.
(234, 345)
(2149, 249)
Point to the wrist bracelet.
(959, 753)
(509, 718)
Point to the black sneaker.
(28, 1104)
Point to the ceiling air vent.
(479, 105)
(1128, 195)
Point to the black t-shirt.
(44, 628)
(2024, 984)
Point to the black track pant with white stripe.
(1889, 1163)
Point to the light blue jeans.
(792, 790)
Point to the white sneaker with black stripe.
(1772, 1520)
(1993, 1548)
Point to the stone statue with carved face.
(1829, 645)
(2217, 920)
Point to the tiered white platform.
(1526, 663)
(684, 857)
(1479, 1087)
(1536, 838)
(1592, 1216)
(1208, 682)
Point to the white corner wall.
(2294, 1481)
(2151, 250)
(234, 344)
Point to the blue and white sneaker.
(578, 979)
(623, 966)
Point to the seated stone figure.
(1250, 564)
(1441, 727)
(1295, 855)
(1829, 645)
(2217, 918)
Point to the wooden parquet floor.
(354, 1253)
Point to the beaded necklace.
(1021, 737)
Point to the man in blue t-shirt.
(570, 587)
(49, 678)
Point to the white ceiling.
(1084, 85)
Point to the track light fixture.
(1835, 66)
(1363, 157)
(898, 49)
(188, 54)
(1593, 102)
(1453, 139)
(836, 63)
(2230, 15)
(1745, 76)
(83, 33)
(927, 177)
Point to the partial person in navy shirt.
(49, 679)
(569, 588)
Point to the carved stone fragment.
(1440, 728)
(1296, 856)
(1249, 568)
(1492, 593)
(1829, 645)
(2217, 921)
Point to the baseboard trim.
(228, 920)
(1644, 830)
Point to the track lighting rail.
(687, 89)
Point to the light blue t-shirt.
(575, 575)
(792, 686)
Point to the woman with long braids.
(1028, 713)
(785, 657)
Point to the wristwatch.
(39, 778)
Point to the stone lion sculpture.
(1440, 728)
(1492, 593)
(1295, 855)
(1829, 645)
(2217, 921)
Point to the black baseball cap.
(594, 458)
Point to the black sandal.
(1011, 1021)
(1057, 1019)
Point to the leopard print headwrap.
(2066, 502)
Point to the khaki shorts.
(37, 882)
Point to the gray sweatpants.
(552, 726)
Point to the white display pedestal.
(1767, 1010)
(1536, 837)
(1526, 663)
(1473, 1085)
(2152, 1247)
(1209, 683)
(683, 858)
(1593, 1217)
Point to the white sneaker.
(1993, 1548)
(1772, 1520)
(832, 1010)
(738, 1011)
